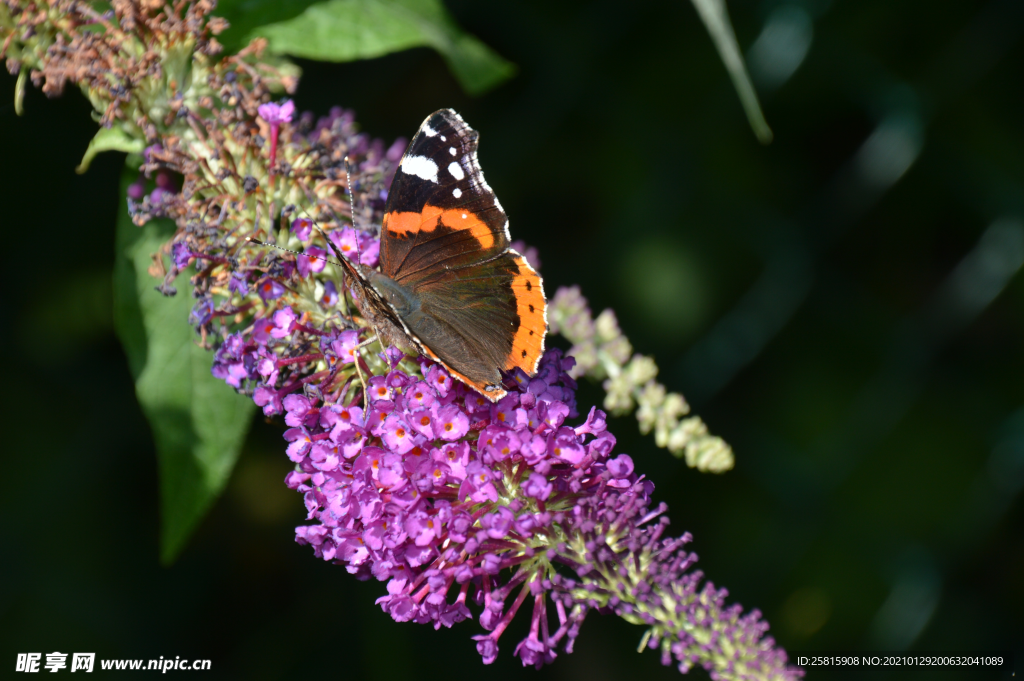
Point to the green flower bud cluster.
(603, 353)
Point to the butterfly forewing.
(440, 213)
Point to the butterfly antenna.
(345, 265)
(352, 204)
(343, 262)
(351, 194)
(252, 239)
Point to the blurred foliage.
(716, 18)
(245, 16)
(847, 314)
(344, 30)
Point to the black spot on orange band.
(528, 339)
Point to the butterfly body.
(449, 285)
(383, 306)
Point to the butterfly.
(449, 284)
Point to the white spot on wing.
(421, 167)
(457, 193)
(443, 138)
(463, 216)
(454, 168)
(429, 131)
(451, 150)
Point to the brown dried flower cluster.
(153, 73)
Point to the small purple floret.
(181, 255)
(277, 114)
(302, 228)
(269, 289)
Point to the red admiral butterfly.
(449, 285)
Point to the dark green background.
(816, 318)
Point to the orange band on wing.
(528, 343)
(411, 223)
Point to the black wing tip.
(449, 117)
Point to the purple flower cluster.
(456, 501)
(437, 491)
(368, 154)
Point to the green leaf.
(345, 30)
(110, 139)
(716, 19)
(198, 422)
(245, 16)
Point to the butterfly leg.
(359, 370)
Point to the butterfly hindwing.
(465, 320)
(440, 212)
(484, 319)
